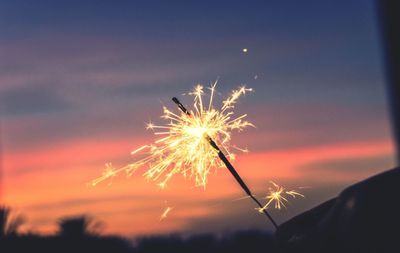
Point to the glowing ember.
(165, 213)
(184, 147)
(278, 195)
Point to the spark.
(165, 213)
(244, 50)
(241, 198)
(294, 194)
(278, 196)
(109, 172)
(182, 145)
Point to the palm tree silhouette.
(9, 226)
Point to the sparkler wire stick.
(230, 167)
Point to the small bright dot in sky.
(244, 50)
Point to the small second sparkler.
(230, 167)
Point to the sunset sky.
(79, 80)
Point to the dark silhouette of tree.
(78, 226)
(9, 226)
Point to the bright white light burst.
(182, 146)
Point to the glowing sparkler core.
(184, 147)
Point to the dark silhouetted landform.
(242, 241)
(78, 234)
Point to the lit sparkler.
(184, 144)
(278, 196)
(224, 159)
(188, 143)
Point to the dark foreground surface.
(363, 218)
